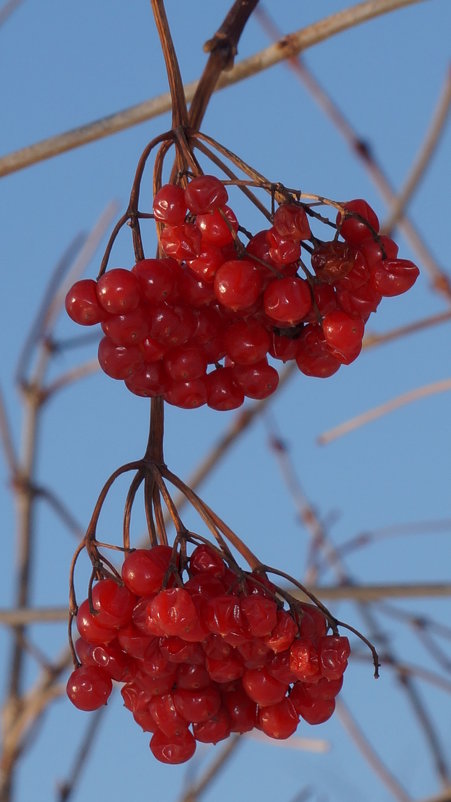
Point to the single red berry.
(158, 279)
(333, 260)
(312, 711)
(223, 616)
(260, 614)
(342, 332)
(313, 356)
(148, 381)
(247, 341)
(375, 250)
(324, 689)
(133, 641)
(90, 629)
(283, 251)
(278, 666)
(165, 715)
(197, 705)
(82, 303)
(360, 302)
(218, 227)
(186, 362)
(143, 570)
(283, 346)
(238, 284)
(223, 393)
(287, 301)
(256, 381)
(290, 221)
(173, 749)
(216, 729)
(89, 687)
(225, 669)
(205, 265)
(205, 193)
(169, 205)
(129, 329)
(188, 394)
(312, 622)
(262, 688)
(283, 634)
(192, 676)
(152, 350)
(182, 242)
(195, 292)
(304, 661)
(279, 720)
(118, 291)
(358, 222)
(112, 603)
(107, 656)
(393, 276)
(171, 325)
(334, 651)
(255, 653)
(174, 611)
(205, 559)
(118, 361)
(241, 709)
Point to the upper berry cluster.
(198, 324)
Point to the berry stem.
(179, 108)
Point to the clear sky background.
(64, 64)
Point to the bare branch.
(431, 141)
(383, 409)
(289, 46)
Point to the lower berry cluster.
(207, 322)
(218, 653)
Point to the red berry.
(148, 381)
(313, 356)
(90, 629)
(256, 381)
(374, 250)
(171, 325)
(223, 393)
(205, 193)
(334, 651)
(282, 251)
(241, 709)
(118, 291)
(158, 279)
(343, 333)
(118, 361)
(247, 342)
(287, 300)
(82, 303)
(238, 284)
(332, 261)
(173, 749)
(129, 329)
(262, 688)
(113, 603)
(358, 222)
(304, 660)
(279, 720)
(165, 715)
(143, 570)
(174, 612)
(205, 265)
(184, 363)
(187, 395)
(169, 205)
(290, 221)
(107, 656)
(182, 242)
(217, 227)
(89, 687)
(197, 705)
(215, 729)
(205, 559)
(260, 614)
(282, 635)
(393, 276)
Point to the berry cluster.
(218, 653)
(198, 325)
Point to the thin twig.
(395, 403)
(289, 46)
(429, 146)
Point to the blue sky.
(62, 65)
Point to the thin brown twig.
(7, 439)
(7, 9)
(360, 739)
(421, 163)
(289, 46)
(395, 403)
(362, 151)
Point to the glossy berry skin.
(118, 361)
(118, 291)
(223, 392)
(158, 279)
(313, 356)
(216, 729)
(279, 720)
(82, 303)
(304, 660)
(342, 332)
(260, 614)
(109, 657)
(262, 688)
(374, 250)
(143, 570)
(187, 395)
(89, 687)
(291, 222)
(393, 276)
(174, 611)
(185, 363)
(129, 329)
(182, 242)
(147, 381)
(113, 603)
(90, 629)
(205, 193)
(217, 227)
(169, 205)
(238, 284)
(256, 381)
(283, 251)
(287, 301)
(173, 749)
(361, 223)
(205, 559)
(334, 651)
(197, 706)
(247, 342)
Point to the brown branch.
(358, 736)
(7, 9)
(7, 439)
(362, 151)
(223, 49)
(288, 47)
(431, 141)
(377, 412)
